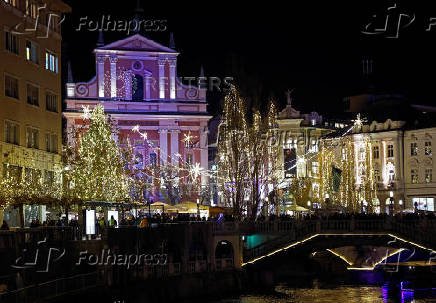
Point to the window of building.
(11, 87)
(314, 147)
(12, 134)
(377, 175)
(390, 151)
(427, 148)
(51, 143)
(31, 52)
(414, 175)
(51, 102)
(362, 154)
(315, 168)
(11, 42)
(12, 2)
(189, 159)
(376, 152)
(49, 177)
(428, 175)
(423, 203)
(13, 171)
(51, 62)
(153, 159)
(32, 95)
(31, 174)
(139, 161)
(344, 154)
(414, 149)
(31, 9)
(32, 136)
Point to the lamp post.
(391, 203)
(198, 208)
(266, 207)
(327, 200)
(400, 202)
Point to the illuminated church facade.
(136, 82)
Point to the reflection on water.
(317, 293)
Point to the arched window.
(137, 88)
(139, 161)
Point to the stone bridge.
(262, 240)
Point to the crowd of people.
(146, 220)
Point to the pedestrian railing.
(51, 289)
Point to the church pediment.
(138, 43)
(289, 113)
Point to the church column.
(70, 132)
(148, 79)
(113, 61)
(161, 63)
(115, 136)
(204, 161)
(163, 144)
(172, 63)
(175, 147)
(100, 75)
(129, 86)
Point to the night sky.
(270, 47)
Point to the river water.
(319, 292)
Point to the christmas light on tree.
(98, 172)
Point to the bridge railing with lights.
(417, 233)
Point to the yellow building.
(30, 86)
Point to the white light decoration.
(86, 112)
(195, 171)
(90, 222)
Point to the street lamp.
(391, 203)
(401, 204)
(365, 205)
(309, 204)
(327, 200)
(198, 208)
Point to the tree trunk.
(21, 214)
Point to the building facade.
(299, 136)
(30, 87)
(420, 187)
(402, 164)
(136, 82)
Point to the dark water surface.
(321, 292)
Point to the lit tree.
(301, 190)
(263, 152)
(350, 157)
(247, 155)
(98, 172)
(233, 152)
